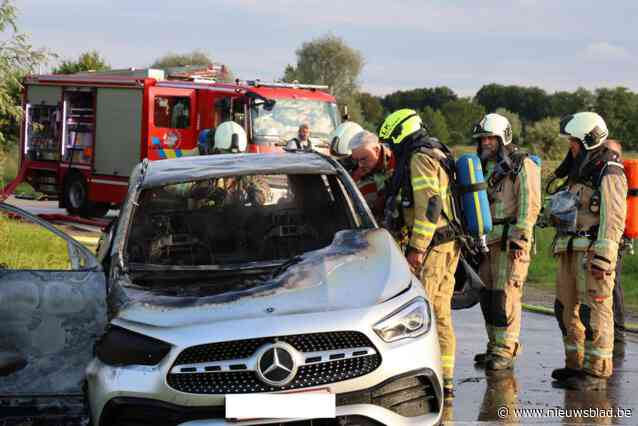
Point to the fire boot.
(562, 374)
(497, 362)
(482, 358)
(586, 382)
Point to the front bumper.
(143, 389)
(396, 402)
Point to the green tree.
(329, 60)
(531, 103)
(418, 99)
(544, 139)
(371, 109)
(171, 60)
(515, 121)
(194, 58)
(436, 125)
(87, 61)
(17, 58)
(619, 109)
(461, 115)
(563, 103)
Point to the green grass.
(27, 246)
(9, 170)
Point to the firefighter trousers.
(437, 276)
(583, 308)
(501, 300)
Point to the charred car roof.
(165, 172)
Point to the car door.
(52, 310)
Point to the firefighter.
(589, 216)
(514, 192)
(302, 140)
(424, 168)
(618, 304)
(375, 166)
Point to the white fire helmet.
(587, 127)
(494, 125)
(341, 136)
(230, 137)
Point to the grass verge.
(9, 170)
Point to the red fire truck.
(83, 133)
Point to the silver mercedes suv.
(236, 275)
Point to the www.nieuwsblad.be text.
(582, 413)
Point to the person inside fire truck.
(302, 140)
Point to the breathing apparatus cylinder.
(631, 224)
(475, 206)
(536, 159)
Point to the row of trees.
(534, 113)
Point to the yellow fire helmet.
(399, 125)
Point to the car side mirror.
(269, 104)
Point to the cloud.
(604, 51)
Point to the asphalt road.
(495, 399)
(41, 207)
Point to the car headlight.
(411, 320)
(123, 347)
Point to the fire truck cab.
(82, 134)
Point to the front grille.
(328, 358)
(238, 349)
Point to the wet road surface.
(496, 398)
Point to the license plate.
(313, 404)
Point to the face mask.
(564, 211)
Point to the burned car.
(237, 274)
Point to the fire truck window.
(172, 112)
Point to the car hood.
(358, 269)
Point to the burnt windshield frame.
(359, 217)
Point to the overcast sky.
(463, 44)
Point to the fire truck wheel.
(76, 195)
(76, 199)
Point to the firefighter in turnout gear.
(375, 167)
(589, 216)
(514, 192)
(422, 180)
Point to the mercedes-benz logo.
(276, 364)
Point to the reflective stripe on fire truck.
(172, 153)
